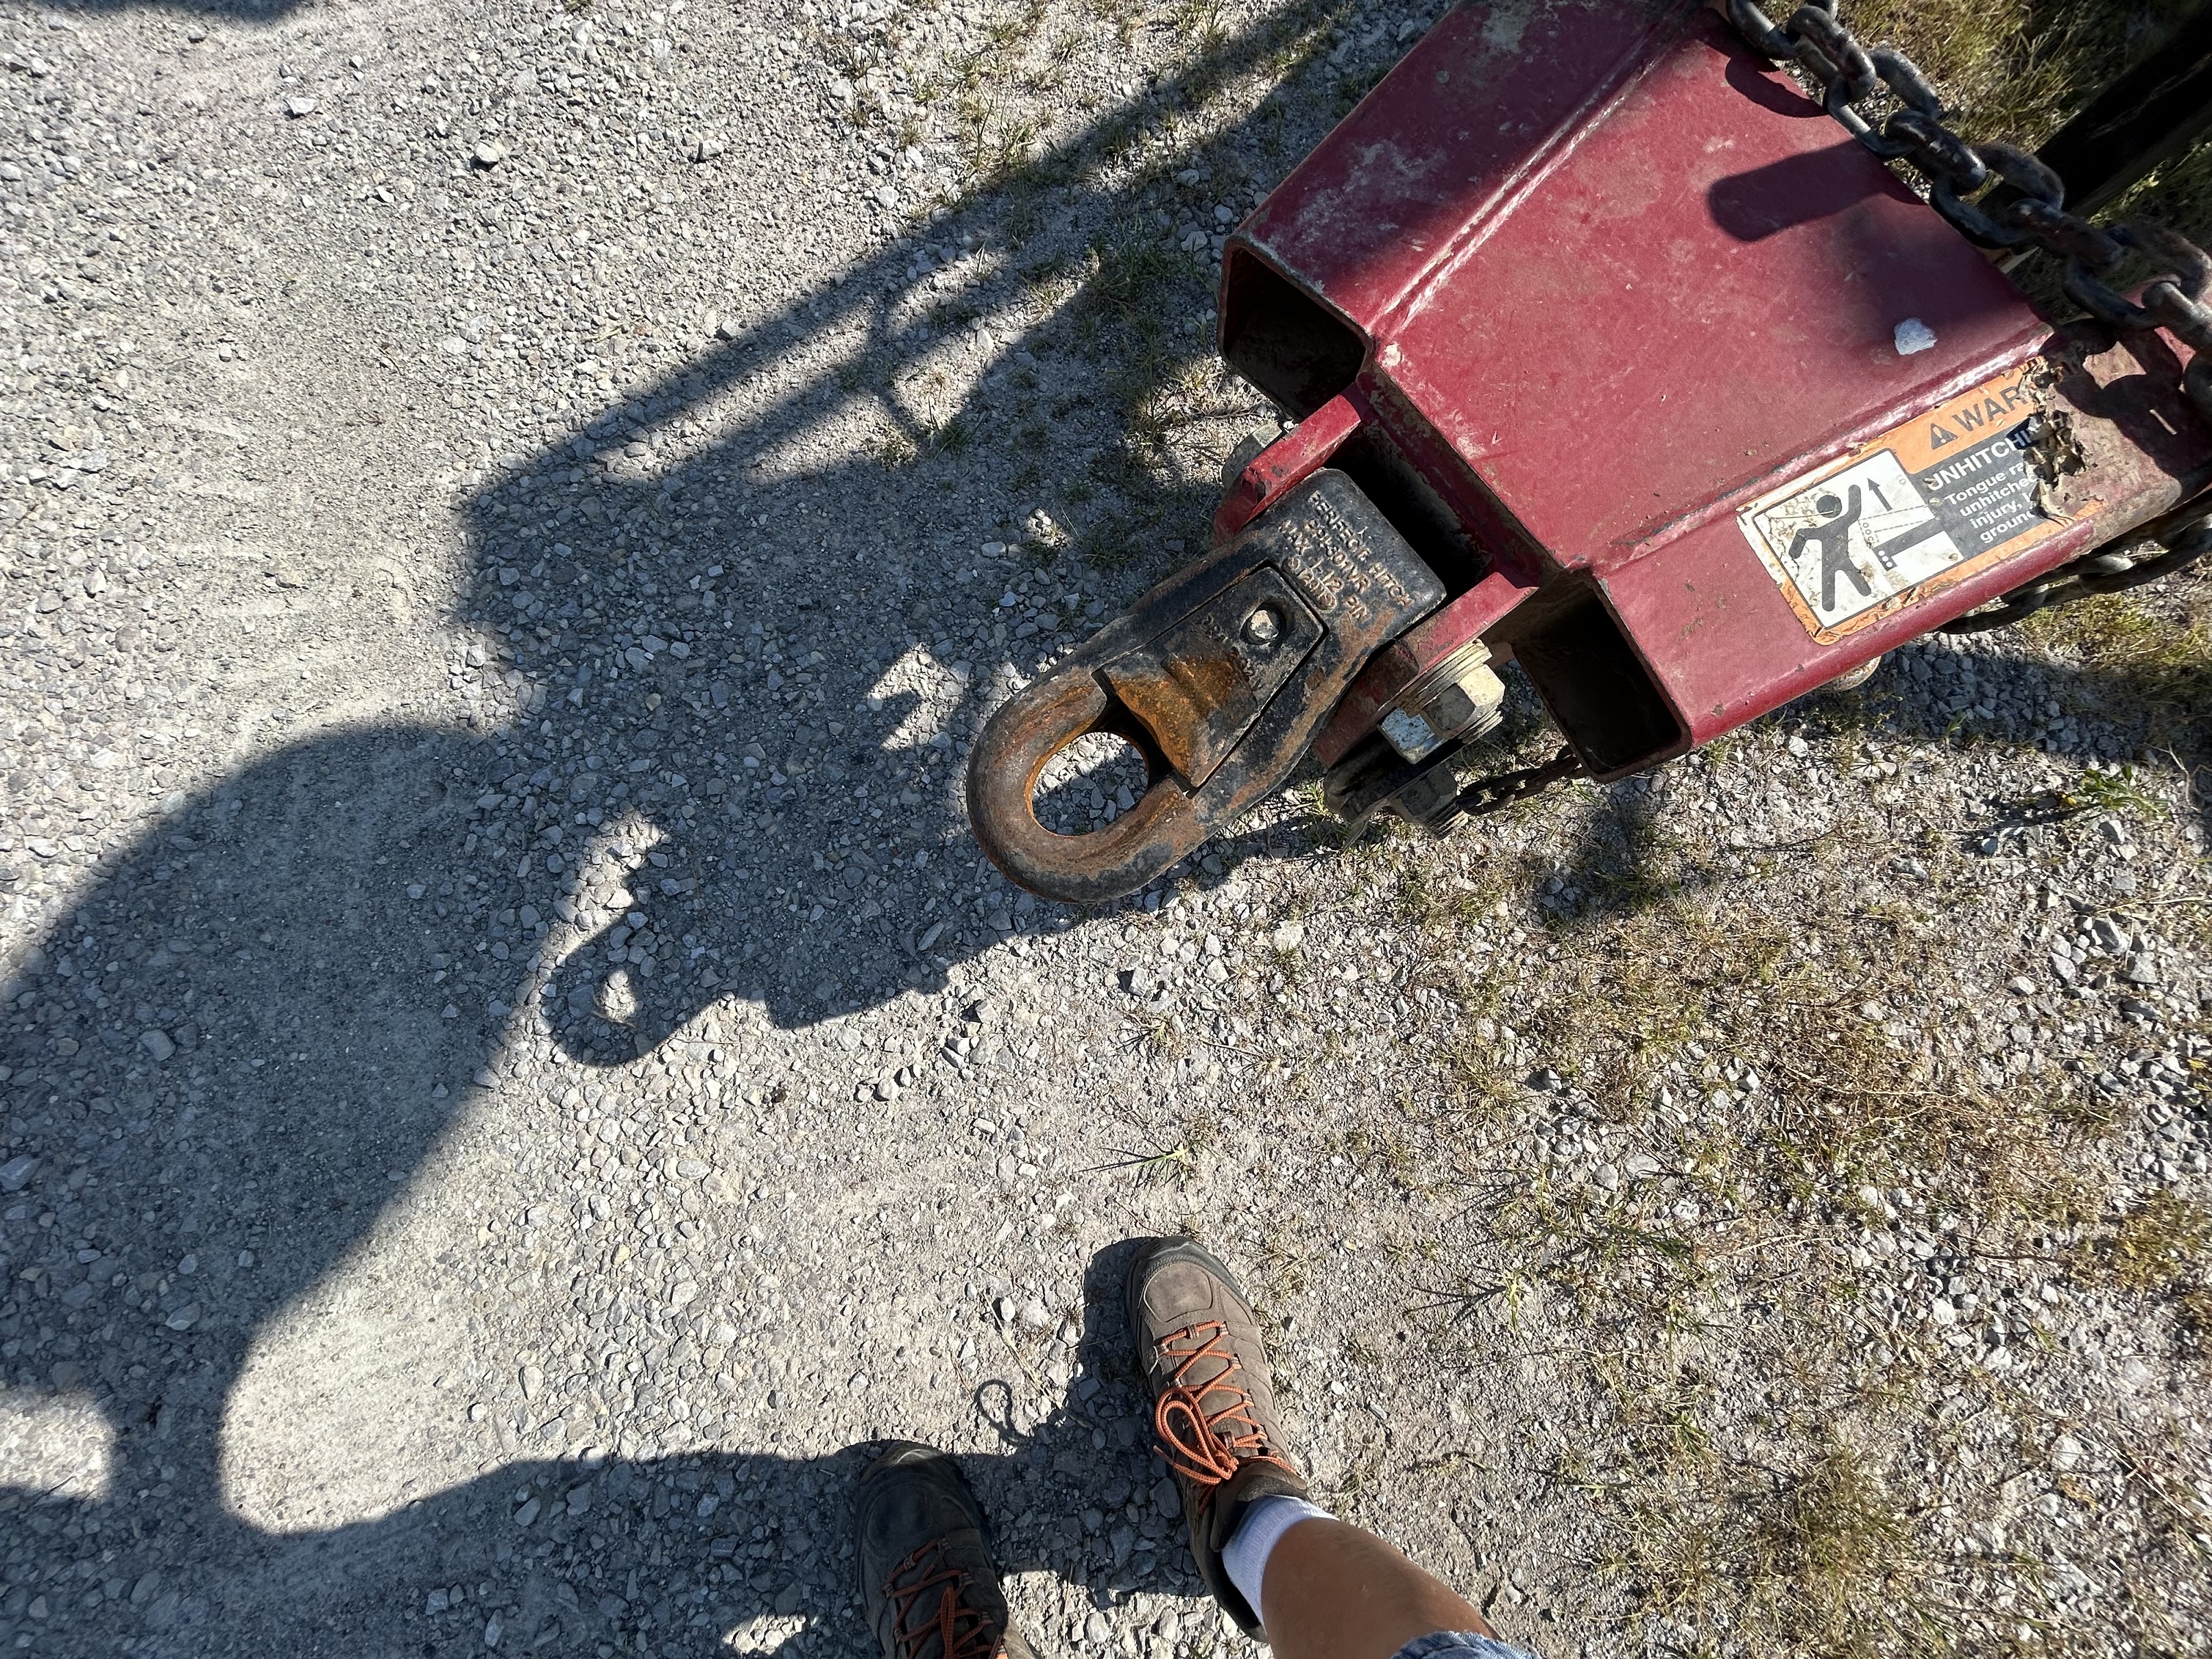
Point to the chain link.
(1848, 73)
(1492, 794)
(2110, 571)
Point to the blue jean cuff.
(1450, 1642)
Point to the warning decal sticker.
(1928, 503)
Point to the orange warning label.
(1928, 503)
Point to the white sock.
(1245, 1555)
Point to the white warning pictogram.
(1854, 539)
(1929, 502)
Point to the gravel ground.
(510, 520)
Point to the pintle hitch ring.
(1149, 837)
(1219, 678)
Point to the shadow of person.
(224, 1059)
(738, 681)
(218, 1068)
(1079, 1493)
(250, 13)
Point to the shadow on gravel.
(1623, 857)
(753, 681)
(235, 11)
(222, 1066)
(251, 1032)
(687, 1555)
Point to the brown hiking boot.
(1213, 1409)
(927, 1581)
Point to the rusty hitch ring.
(1220, 676)
(1144, 842)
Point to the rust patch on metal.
(2132, 446)
(2053, 451)
(1198, 686)
(1177, 702)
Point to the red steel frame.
(1615, 277)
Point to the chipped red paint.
(1284, 463)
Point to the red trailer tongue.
(1610, 354)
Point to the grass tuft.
(2160, 662)
(2015, 70)
(2163, 1245)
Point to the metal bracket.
(1220, 678)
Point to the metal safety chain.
(1493, 794)
(2109, 572)
(1850, 74)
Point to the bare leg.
(1334, 1592)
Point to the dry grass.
(2161, 1246)
(2016, 69)
(1781, 1079)
(1728, 1041)
(1818, 1559)
(1728, 994)
(2154, 649)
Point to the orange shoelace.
(962, 1632)
(1207, 1447)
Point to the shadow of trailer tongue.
(1605, 358)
